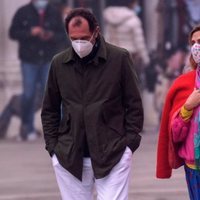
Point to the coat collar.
(101, 53)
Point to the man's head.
(81, 24)
(40, 4)
(83, 30)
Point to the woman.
(179, 136)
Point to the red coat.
(167, 151)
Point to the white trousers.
(112, 187)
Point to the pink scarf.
(195, 123)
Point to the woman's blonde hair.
(194, 30)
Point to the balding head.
(77, 15)
(77, 22)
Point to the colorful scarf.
(196, 124)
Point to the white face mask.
(40, 4)
(82, 47)
(195, 51)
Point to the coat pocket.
(114, 121)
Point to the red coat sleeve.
(163, 169)
(167, 150)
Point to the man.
(92, 138)
(39, 29)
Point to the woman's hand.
(193, 100)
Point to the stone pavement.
(144, 185)
(26, 173)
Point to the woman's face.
(195, 38)
(195, 47)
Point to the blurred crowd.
(122, 25)
(175, 18)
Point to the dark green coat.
(100, 99)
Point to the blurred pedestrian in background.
(63, 8)
(92, 138)
(123, 28)
(172, 46)
(179, 137)
(172, 35)
(193, 7)
(38, 27)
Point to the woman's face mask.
(195, 51)
(82, 47)
(40, 4)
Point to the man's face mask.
(195, 51)
(82, 47)
(40, 4)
